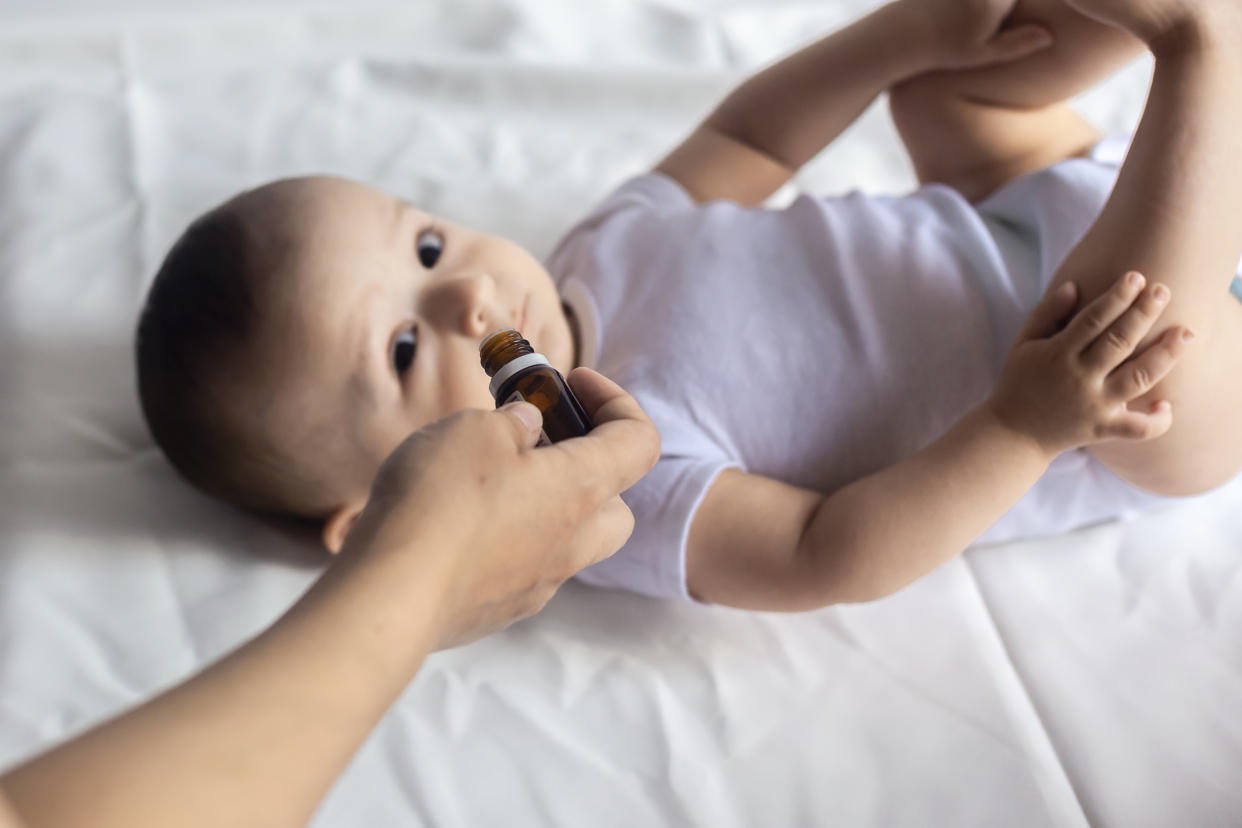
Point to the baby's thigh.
(1203, 449)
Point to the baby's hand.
(1071, 388)
(964, 34)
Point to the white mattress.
(1093, 678)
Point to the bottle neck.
(500, 347)
(512, 367)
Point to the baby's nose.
(475, 294)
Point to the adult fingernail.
(526, 414)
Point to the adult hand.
(469, 527)
(498, 524)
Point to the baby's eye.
(430, 245)
(403, 349)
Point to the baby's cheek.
(467, 388)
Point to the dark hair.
(198, 323)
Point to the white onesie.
(822, 342)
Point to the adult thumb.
(527, 421)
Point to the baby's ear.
(336, 527)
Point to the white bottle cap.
(513, 366)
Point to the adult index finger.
(597, 393)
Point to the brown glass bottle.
(518, 373)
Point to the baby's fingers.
(1136, 425)
(1138, 376)
(1012, 44)
(1106, 309)
(1117, 343)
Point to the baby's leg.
(1174, 216)
(976, 129)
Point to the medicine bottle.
(518, 373)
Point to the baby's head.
(295, 334)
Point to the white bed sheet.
(1093, 678)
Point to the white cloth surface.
(1092, 678)
(821, 342)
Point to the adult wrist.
(401, 583)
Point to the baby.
(837, 412)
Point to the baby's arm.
(976, 129)
(779, 119)
(757, 543)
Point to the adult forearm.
(466, 530)
(258, 738)
(794, 108)
(883, 531)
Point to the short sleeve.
(653, 561)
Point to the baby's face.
(378, 319)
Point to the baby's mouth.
(521, 323)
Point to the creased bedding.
(1092, 678)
